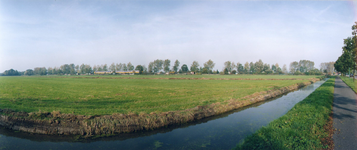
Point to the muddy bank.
(55, 123)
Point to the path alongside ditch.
(344, 117)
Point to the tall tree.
(194, 66)
(285, 69)
(229, 66)
(273, 68)
(339, 65)
(158, 65)
(87, 69)
(151, 67)
(105, 67)
(294, 67)
(100, 67)
(119, 67)
(176, 65)
(354, 32)
(167, 65)
(266, 67)
(139, 68)
(11, 72)
(130, 66)
(125, 68)
(246, 67)
(259, 66)
(77, 68)
(112, 67)
(209, 65)
(184, 68)
(251, 68)
(95, 68)
(82, 69)
(72, 69)
(29, 72)
(240, 68)
(49, 70)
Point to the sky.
(50, 33)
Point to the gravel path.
(344, 117)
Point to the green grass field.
(301, 128)
(97, 96)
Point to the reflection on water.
(218, 132)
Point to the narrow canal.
(218, 132)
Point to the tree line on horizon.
(303, 67)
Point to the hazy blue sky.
(47, 33)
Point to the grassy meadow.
(100, 96)
(301, 128)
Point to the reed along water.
(224, 131)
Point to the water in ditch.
(218, 132)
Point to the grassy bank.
(349, 82)
(88, 96)
(301, 128)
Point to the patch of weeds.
(157, 144)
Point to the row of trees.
(12, 72)
(346, 63)
(327, 67)
(305, 67)
(229, 67)
(253, 68)
(164, 66)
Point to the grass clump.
(301, 128)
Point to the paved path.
(344, 117)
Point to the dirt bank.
(55, 123)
